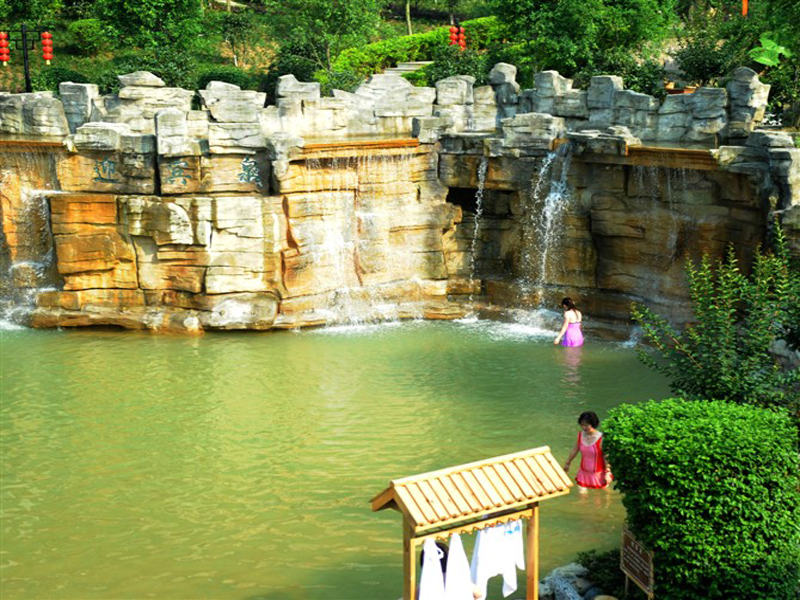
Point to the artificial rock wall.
(317, 210)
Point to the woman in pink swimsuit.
(594, 471)
(571, 329)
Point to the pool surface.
(241, 465)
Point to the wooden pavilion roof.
(476, 490)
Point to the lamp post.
(21, 41)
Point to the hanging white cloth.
(485, 562)
(499, 550)
(513, 556)
(458, 583)
(431, 581)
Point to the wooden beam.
(444, 534)
(409, 562)
(533, 555)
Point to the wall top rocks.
(236, 120)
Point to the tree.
(29, 10)
(171, 23)
(318, 30)
(726, 353)
(569, 35)
(240, 31)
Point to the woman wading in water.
(571, 329)
(594, 471)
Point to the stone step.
(407, 67)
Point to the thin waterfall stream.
(483, 167)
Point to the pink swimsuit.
(593, 465)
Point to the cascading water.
(354, 245)
(27, 250)
(483, 167)
(544, 226)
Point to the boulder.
(140, 79)
(290, 87)
(503, 73)
(100, 136)
(602, 91)
(456, 90)
(77, 99)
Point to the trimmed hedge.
(374, 58)
(711, 488)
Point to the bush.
(784, 96)
(712, 489)
(374, 58)
(644, 76)
(47, 79)
(91, 35)
(726, 352)
(166, 63)
(451, 60)
(346, 81)
(233, 75)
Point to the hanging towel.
(431, 582)
(485, 563)
(513, 555)
(458, 584)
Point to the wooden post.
(533, 555)
(409, 563)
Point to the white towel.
(485, 558)
(458, 583)
(431, 582)
(513, 556)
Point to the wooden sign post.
(636, 562)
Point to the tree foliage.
(568, 35)
(319, 30)
(725, 353)
(150, 23)
(712, 489)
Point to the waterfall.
(543, 228)
(27, 249)
(354, 260)
(483, 167)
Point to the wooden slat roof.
(476, 490)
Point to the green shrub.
(451, 60)
(644, 76)
(48, 78)
(91, 35)
(374, 58)
(712, 489)
(726, 352)
(784, 95)
(346, 81)
(419, 77)
(167, 63)
(233, 75)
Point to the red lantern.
(453, 29)
(4, 50)
(47, 46)
(744, 8)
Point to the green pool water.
(240, 466)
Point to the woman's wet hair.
(590, 418)
(568, 303)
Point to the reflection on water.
(569, 358)
(240, 466)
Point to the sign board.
(636, 562)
